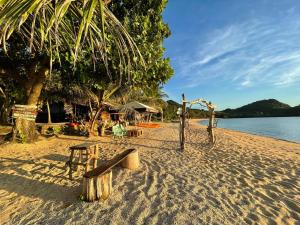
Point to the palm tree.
(50, 28)
(49, 25)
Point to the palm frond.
(67, 24)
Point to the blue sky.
(233, 52)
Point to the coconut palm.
(53, 25)
(52, 28)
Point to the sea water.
(286, 128)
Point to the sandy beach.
(243, 179)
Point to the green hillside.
(262, 108)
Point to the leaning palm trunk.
(48, 112)
(93, 121)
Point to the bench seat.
(97, 183)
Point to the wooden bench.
(97, 183)
(86, 153)
(134, 133)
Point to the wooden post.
(182, 138)
(210, 125)
(88, 159)
(95, 156)
(79, 162)
(70, 164)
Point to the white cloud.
(247, 55)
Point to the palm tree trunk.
(49, 112)
(93, 121)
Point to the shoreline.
(196, 122)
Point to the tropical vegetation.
(93, 50)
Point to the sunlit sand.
(244, 178)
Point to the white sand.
(243, 179)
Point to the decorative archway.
(183, 113)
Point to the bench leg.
(79, 162)
(70, 164)
(88, 160)
(97, 188)
(131, 161)
(105, 183)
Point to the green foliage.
(52, 27)
(81, 198)
(88, 82)
(144, 22)
(21, 137)
(170, 111)
(55, 130)
(108, 63)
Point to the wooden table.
(82, 155)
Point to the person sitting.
(118, 130)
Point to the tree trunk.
(93, 121)
(91, 110)
(25, 129)
(49, 112)
(4, 112)
(104, 123)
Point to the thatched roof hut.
(139, 107)
(138, 111)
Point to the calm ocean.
(287, 128)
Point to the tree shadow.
(77, 139)
(17, 166)
(37, 189)
(158, 147)
(56, 157)
(151, 139)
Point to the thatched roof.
(139, 106)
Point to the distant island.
(262, 108)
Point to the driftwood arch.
(183, 113)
